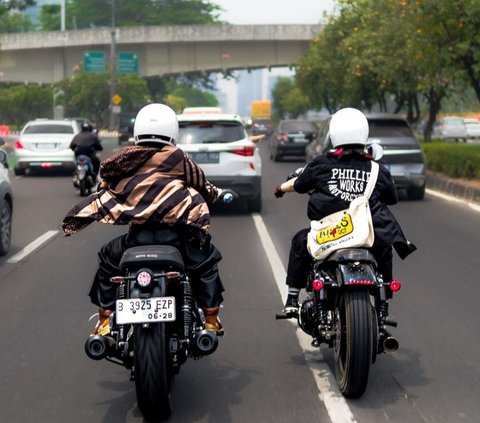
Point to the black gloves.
(278, 192)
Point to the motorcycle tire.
(83, 188)
(354, 342)
(153, 371)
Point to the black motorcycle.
(157, 324)
(84, 178)
(346, 307)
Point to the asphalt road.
(260, 373)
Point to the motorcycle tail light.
(172, 275)
(395, 286)
(117, 279)
(318, 284)
(144, 279)
(46, 165)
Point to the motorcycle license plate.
(145, 310)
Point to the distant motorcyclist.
(87, 143)
(333, 181)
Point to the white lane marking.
(335, 403)
(30, 248)
(447, 197)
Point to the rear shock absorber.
(186, 307)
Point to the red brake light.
(395, 286)
(247, 151)
(117, 279)
(18, 145)
(282, 137)
(317, 284)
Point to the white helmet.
(156, 123)
(348, 126)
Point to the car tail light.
(246, 151)
(18, 145)
(282, 137)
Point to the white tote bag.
(349, 228)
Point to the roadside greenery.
(402, 56)
(453, 159)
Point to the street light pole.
(112, 67)
(62, 15)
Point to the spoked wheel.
(354, 338)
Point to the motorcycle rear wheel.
(353, 346)
(153, 374)
(153, 370)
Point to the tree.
(14, 22)
(88, 95)
(21, 103)
(288, 99)
(92, 13)
(10, 18)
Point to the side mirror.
(375, 150)
(2, 141)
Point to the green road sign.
(94, 62)
(127, 62)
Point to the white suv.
(6, 203)
(219, 144)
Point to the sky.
(245, 12)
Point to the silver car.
(45, 144)
(6, 203)
(402, 156)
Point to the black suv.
(403, 156)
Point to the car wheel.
(18, 171)
(5, 227)
(416, 193)
(277, 158)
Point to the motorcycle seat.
(351, 254)
(152, 256)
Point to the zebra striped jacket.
(146, 184)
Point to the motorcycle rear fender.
(357, 274)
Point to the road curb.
(458, 189)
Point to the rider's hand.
(278, 192)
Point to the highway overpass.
(47, 57)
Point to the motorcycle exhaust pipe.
(205, 342)
(98, 347)
(390, 345)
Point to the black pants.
(200, 256)
(300, 261)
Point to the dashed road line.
(33, 246)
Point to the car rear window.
(389, 128)
(297, 126)
(49, 129)
(210, 132)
